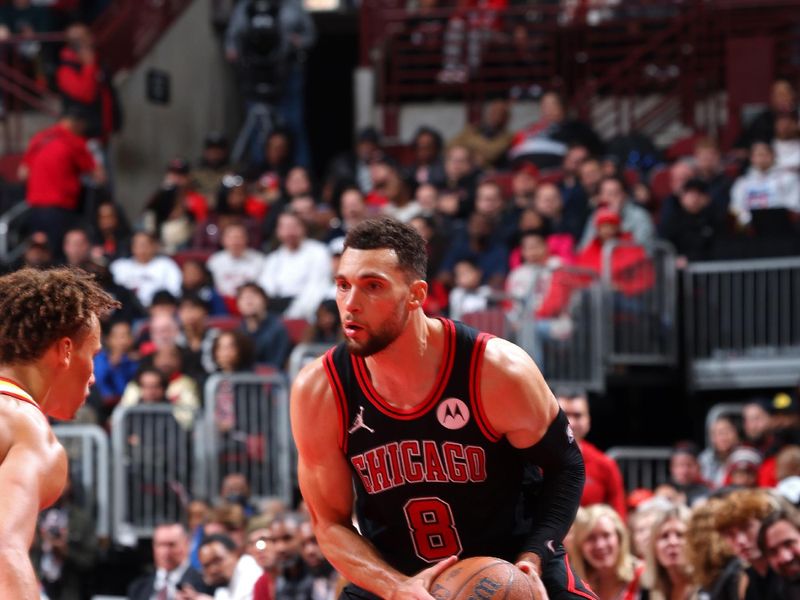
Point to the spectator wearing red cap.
(603, 479)
(631, 272)
(634, 219)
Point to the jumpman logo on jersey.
(358, 422)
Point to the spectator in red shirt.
(82, 82)
(603, 479)
(52, 166)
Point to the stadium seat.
(660, 182)
(297, 329)
(492, 320)
(182, 256)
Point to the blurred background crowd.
(552, 183)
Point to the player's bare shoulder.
(23, 426)
(516, 398)
(313, 405)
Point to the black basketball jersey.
(436, 480)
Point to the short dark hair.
(786, 513)
(41, 307)
(223, 539)
(194, 298)
(245, 348)
(386, 232)
(254, 287)
(695, 184)
(150, 369)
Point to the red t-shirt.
(603, 480)
(56, 158)
(263, 588)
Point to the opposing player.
(49, 334)
(437, 426)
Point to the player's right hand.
(416, 587)
(531, 570)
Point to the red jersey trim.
(475, 388)
(338, 394)
(365, 383)
(571, 582)
(12, 389)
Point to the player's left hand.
(532, 568)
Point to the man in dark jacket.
(172, 570)
(694, 223)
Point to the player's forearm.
(554, 508)
(17, 579)
(357, 560)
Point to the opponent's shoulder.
(23, 421)
(24, 429)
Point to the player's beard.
(380, 339)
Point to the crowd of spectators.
(230, 264)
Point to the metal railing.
(11, 248)
(640, 304)
(302, 355)
(642, 467)
(568, 348)
(157, 465)
(88, 454)
(247, 431)
(742, 323)
(605, 59)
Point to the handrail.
(584, 61)
(8, 256)
(100, 462)
(128, 29)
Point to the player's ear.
(65, 347)
(418, 291)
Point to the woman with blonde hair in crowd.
(667, 574)
(600, 553)
(716, 568)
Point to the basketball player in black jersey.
(436, 427)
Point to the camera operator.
(268, 41)
(65, 550)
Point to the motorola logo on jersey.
(452, 413)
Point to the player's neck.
(27, 377)
(416, 351)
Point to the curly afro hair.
(39, 307)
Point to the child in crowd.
(468, 295)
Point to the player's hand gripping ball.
(483, 577)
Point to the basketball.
(482, 577)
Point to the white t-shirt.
(758, 190)
(463, 301)
(303, 274)
(145, 279)
(229, 273)
(244, 579)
